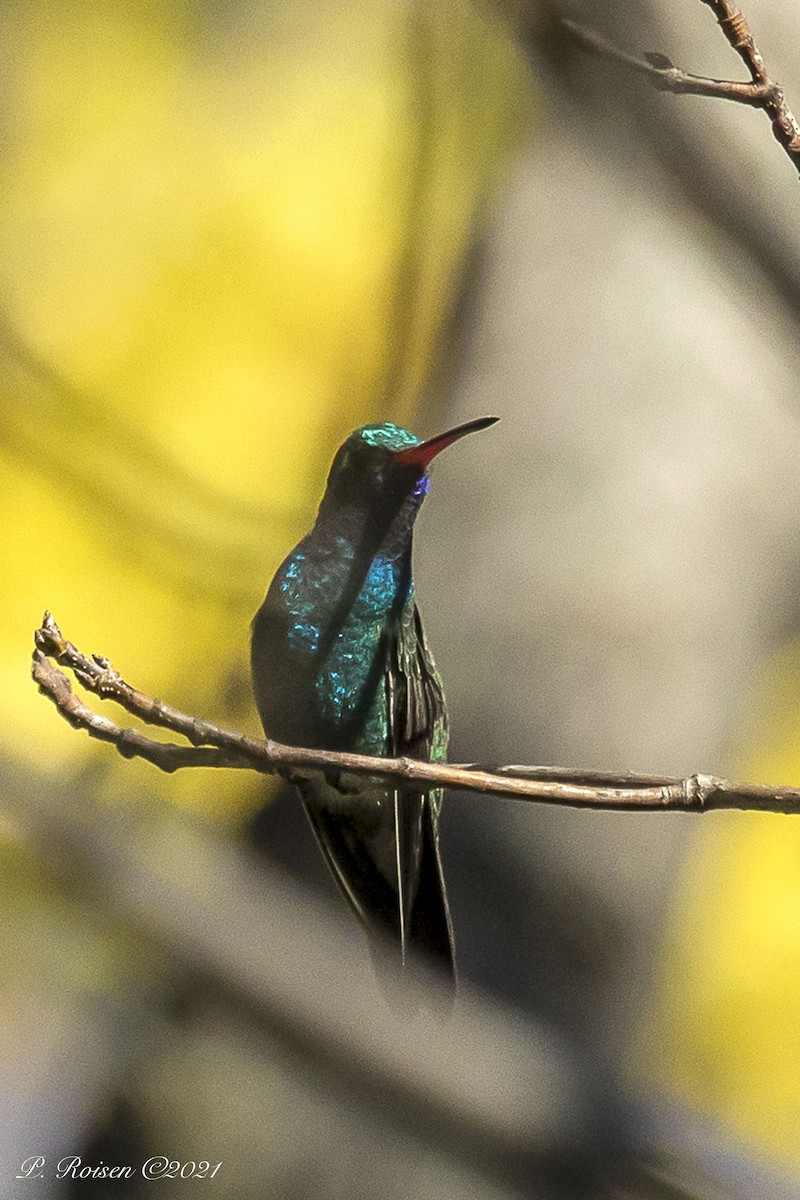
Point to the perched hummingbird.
(340, 662)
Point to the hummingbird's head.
(386, 467)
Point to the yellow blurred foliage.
(722, 1033)
(228, 235)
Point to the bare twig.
(213, 746)
(760, 92)
(665, 76)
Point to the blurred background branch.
(461, 1090)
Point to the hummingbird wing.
(417, 723)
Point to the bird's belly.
(350, 797)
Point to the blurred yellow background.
(230, 234)
(722, 1031)
(228, 237)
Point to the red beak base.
(423, 454)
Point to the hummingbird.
(340, 662)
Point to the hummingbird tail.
(431, 928)
(408, 838)
(426, 933)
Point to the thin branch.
(737, 32)
(760, 92)
(212, 746)
(665, 76)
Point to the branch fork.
(758, 92)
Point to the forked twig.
(759, 92)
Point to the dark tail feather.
(429, 931)
(408, 835)
(429, 934)
(431, 926)
(370, 896)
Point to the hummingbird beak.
(424, 454)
